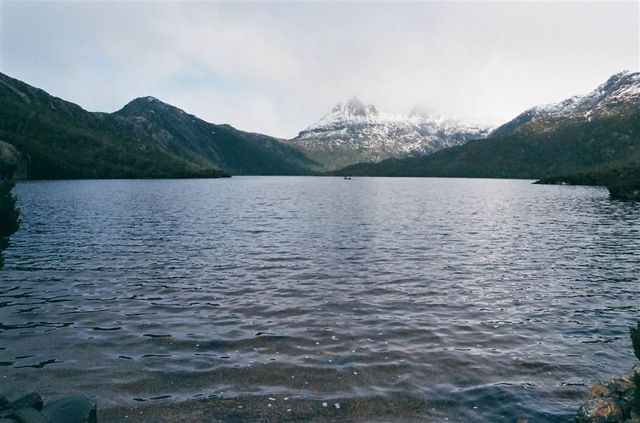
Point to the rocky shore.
(611, 402)
(617, 401)
(31, 409)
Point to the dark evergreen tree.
(636, 393)
(9, 216)
(635, 340)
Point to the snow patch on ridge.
(621, 86)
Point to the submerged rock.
(28, 415)
(78, 409)
(32, 400)
(29, 409)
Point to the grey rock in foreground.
(30, 409)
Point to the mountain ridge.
(145, 138)
(588, 134)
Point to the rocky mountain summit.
(353, 132)
(620, 94)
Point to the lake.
(319, 299)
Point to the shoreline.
(611, 401)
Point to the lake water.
(266, 298)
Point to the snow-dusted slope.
(620, 92)
(353, 132)
(589, 139)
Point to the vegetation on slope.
(145, 139)
(623, 181)
(635, 341)
(571, 147)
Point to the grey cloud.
(277, 67)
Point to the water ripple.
(314, 299)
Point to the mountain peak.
(352, 111)
(621, 81)
(354, 103)
(619, 76)
(148, 104)
(353, 108)
(353, 132)
(147, 100)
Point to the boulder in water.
(79, 409)
(600, 410)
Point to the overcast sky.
(278, 67)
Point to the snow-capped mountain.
(588, 139)
(353, 132)
(619, 93)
